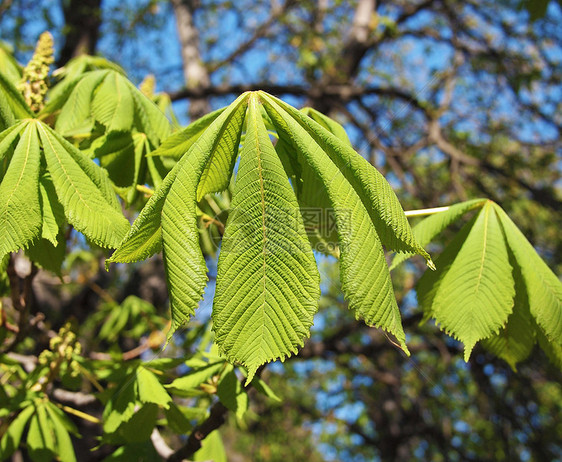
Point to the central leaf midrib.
(481, 270)
(262, 198)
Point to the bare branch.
(160, 445)
(343, 93)
(28, 362)
(76, 398)
(453, 152)
(125, 356)
(260, 32)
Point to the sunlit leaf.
(267, 281)
(471, 293)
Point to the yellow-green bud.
(44, 358)
(55, 342)
(148, 85)
(68, 352)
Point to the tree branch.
(216, 418)
(344, 92)
(436, 136)
(21, 295)
(260, 32)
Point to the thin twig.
(77, 413)
(126, 356)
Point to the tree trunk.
(195, 73)
(82, 24)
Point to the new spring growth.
(33, 85)
(148, 86)
(62, 350)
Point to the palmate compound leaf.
(373, 190)
(169, 218)
(109, 98)
(113, 104)
(267, 283)
(122, 124)
(287, 304)
(32, 201)
(514, 341)
(427, 229)
(365, 277)
(69, 76)
(74, 99)
(471, 295)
